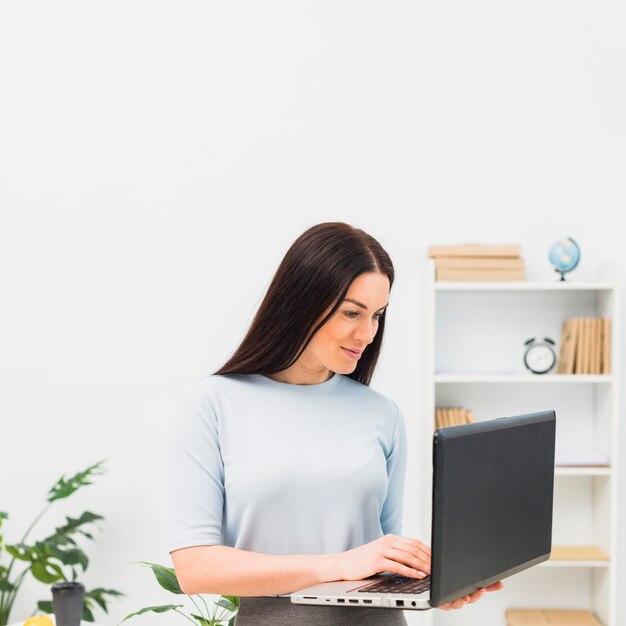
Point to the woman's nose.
(365, 332)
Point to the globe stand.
(562, 274)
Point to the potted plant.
(166, 577)
(52, 558)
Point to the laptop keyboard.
(398, 584)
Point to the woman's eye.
(352, 314)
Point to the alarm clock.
(540, 355)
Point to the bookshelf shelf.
(524, 378)
(522, 286)
(474, 340)
(582, 471)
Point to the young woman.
(286, 469)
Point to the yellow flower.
(39, 620)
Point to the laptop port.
(399, 602)
(342, 600)
(367, 601)
(353, 601)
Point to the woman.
(286, 469)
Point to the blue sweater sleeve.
(391, 514)
(195, 474)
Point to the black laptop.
(493, 484)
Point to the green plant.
(166, 577)
(47, 557)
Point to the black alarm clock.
(540, 355)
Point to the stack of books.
(452, 416)
(550, 617)
(585, 346)
(478, 262)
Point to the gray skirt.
(256, 610)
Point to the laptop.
(492, 501)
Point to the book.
(606, 342)
(576, 330)
(475, 249)
(579, 345)
(551, 617)
(479, 263)
(439, 418)
(597, 353)
(592, 345)
(461, 274)
(452, 416)
(567, 347)
(588, 339)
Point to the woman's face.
(353, 326)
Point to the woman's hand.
(472, 597)
(391, 553)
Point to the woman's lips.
(354, 355)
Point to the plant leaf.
(20, 551)
(110, 592)
(3, 515)
(165, 576)
(45, 606)
(64, 488)
(226, 603)
(73, 525)
(87, 615)
(73, 556)
(98, 595)
(156, 609)
(46, 572)
(203, 621)
(233, 599)
(41, 571)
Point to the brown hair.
(316, 272)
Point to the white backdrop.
(157, 160)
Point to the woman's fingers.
(477, 595)
(459, 603)
(401, 556)
(392, 565)
(420, 552)
(495, 587)
(415, 550)
(416, 543)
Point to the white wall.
(158, 159)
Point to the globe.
(564, 256)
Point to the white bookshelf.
(475, 342)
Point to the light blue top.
(278, 468)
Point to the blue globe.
(564, 256)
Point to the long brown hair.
(316, 272)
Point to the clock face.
(539, 359)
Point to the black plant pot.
(67, 600)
